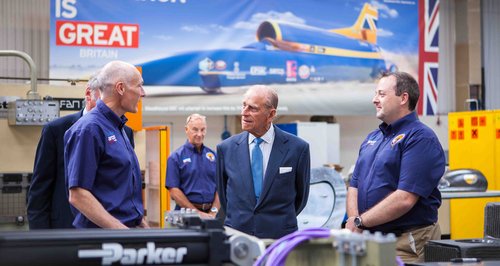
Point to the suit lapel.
(278, 153)
(245, 170)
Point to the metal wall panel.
(24, 26)
(447, 39)
(491, 52)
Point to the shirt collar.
(85, 111)
(191, 147)
(110, 115)
(268, 137)
(396, 126)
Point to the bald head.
(121, 86)
(267, 92)
(114, 72)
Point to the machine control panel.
(32, 112)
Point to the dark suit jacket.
(48, 205)
(284, 191)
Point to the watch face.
(214, 209)
(357, 222)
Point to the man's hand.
(144, 224)
(204, 215)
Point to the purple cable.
(399, 261)
(281, 256)
(277, 253)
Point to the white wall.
(353, 130)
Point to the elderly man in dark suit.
(262, 173)
(48, 206)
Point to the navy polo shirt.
(99, 158)
(405, 155)
(192, 172)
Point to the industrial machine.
(486, 248)
(192, 241)
(33, 111)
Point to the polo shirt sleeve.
(173, 172)
(82, 154)
(422, 165)
(360, 163)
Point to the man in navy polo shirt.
(102, 171)
(394, 185)
(191, 171)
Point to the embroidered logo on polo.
(210, 156)
(112, 138)
(186, 160)
(397, 139)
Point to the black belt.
(398, 233)
(204, 207)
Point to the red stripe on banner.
(431, 83)
(426, 56)
(434, 15)
(430, 57)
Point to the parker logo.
(115, 253)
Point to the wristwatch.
(214, 210)
(358, 222)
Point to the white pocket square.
(284, 170)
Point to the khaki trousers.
(410, 245)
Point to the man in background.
(191, 171)
(394, 185)
(263, 173)
(48, 206)
(103, 173)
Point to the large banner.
(209, 48)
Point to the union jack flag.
(428, 65)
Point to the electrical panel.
(32, 112)
(13, 191)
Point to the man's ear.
(120, 88)
(405, 98)
(88, 95)
(272, 114)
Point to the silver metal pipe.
(31, 94)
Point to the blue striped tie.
(257, 168)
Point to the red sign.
(474, 134)
(460, 134)
(482, 121)
(291, 69)
(453, 134)
(84, 33)
(473, 121)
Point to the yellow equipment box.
(474, 140)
